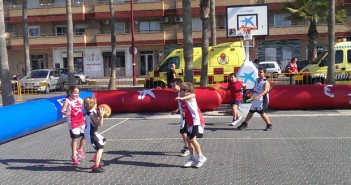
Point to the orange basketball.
(107, 110)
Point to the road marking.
(242, 138)
(114, 126)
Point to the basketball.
(107, 110)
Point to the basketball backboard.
(253, 17)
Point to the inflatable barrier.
(24, 118)
(303, 97)
(155, 100)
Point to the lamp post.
(133, 47)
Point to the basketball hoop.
(246, 32)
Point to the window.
(37, 62)
(150, 26)
(281, 20)
(33, 31)
(120, 59)
(338, 57)
(348, 56)
(196, 24)
(120, 27)
(61, 30)
(167, 65)
(80, 29)
(8, 27)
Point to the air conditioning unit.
(178, 19)
(164, 20)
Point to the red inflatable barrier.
(155, 100)
(302, 97)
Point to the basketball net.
(247, 32)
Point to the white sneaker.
(191, 162)
(186, 153)
(236, 121)
(201, 161)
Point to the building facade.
(157, 31)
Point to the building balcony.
(45, 42)
(145, 38)
(46, 13)
(122, 10)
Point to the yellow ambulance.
(223, 59)
(316, 71)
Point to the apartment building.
(157, 31)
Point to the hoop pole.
(247, 50)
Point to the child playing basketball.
(183, 128)
(195, 123)
(94, 119)
(72, 108)
(235, 86)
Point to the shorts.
(195, 131)
(78, 132)
(259, 110)
(98, 141)
(183, 127)
(235, 102)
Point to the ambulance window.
(348, 56)
(167, 65)
(338, 57)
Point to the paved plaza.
(304, 147)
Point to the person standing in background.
(171, 74)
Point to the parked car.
(272, 68)
(80, 78)
(302, 63)
(43, 80)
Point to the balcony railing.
(42, 10)
(46, 41)
(157, 37)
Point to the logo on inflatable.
(327, 91)
(145, 92)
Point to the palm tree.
(71, 79)
(312, 11)
(213, 22)
(112, 82)
(188, 42)
(5, 76)
(205, 15)
(331, 40)
(25, 37)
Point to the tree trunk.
(112, 82)
(213, 22)
(205, 15)
(312, 40)
(71, 79)
(331, 40)
(188, 42)
(5, 76)
(25, 38)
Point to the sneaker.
(191, 162)
(81, 153)
(235, 121)
(184, 149)
(202, 159)
(242, 126)
(186, 153)
(75, 160)
(94, 158)
(97, 169)
(268, 127)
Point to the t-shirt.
(170, 76)
(236, 90)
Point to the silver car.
(43, 80)
(80, 78)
